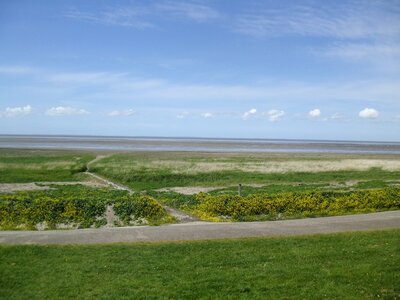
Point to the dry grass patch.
(188, 167)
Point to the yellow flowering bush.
(77, 206)
(296, 204)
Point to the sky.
(201, 68)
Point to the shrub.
(80, 207)
(296, 204)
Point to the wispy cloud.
(188, 9)
(383, 55)
(65, 111)
(122, 113)
(207, 115)
(147, 16)
(352, 19)
(183, 115)
(275, 115)
(249, 114)
(112, 85)
(85, 78)
(16, 111)
(118, 16)
(16, 70)
(357, 31)
(336, 117)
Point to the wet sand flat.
(195, 144)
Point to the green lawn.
(19, 166)
(337, 266)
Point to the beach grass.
(335, 266)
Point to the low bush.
(293, 204)
(74, 206)
(132, 209)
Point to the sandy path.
(207, 231)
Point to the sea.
(126, 144)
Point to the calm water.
(195, 144)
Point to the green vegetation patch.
(76, 206)
(149, 171)
(19, 166)
(335, 266)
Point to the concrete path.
(206, 231)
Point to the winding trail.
(180, 216)
(206, 231)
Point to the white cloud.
(368, 113)
(65, 111)
(315, 113)
(275, 115)
(124, 113)
(207, 115)
(249, 114)
(17, 111)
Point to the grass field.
(174, 177)
(18, 166)
(147, 171)
(338, 266)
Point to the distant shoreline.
(124, 137)
(136, 144)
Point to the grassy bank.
(339, 266)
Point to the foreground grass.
(19, 166)
(337, 266)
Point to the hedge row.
(80, 207)
(296, 204)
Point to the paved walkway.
(206, 231)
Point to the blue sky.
(246, 69)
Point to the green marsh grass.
(153, 170)
(20, 166)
